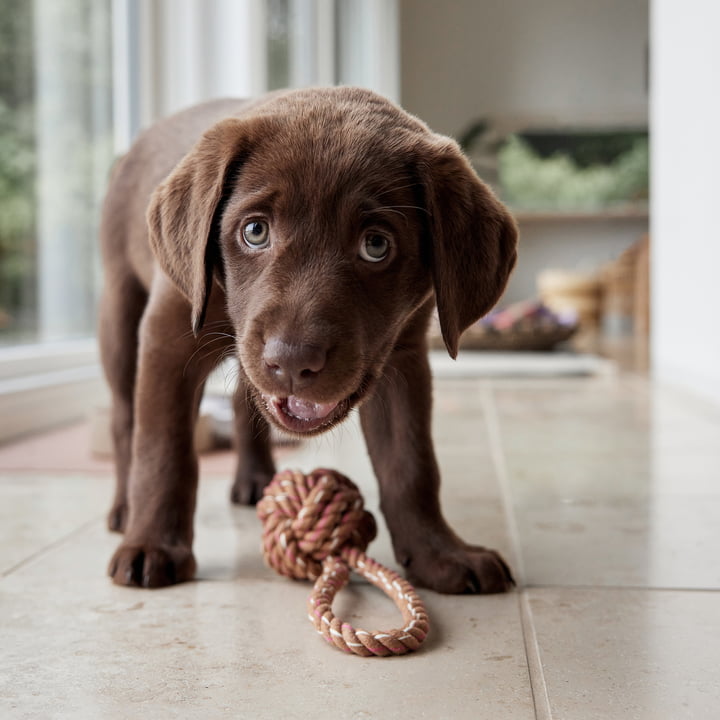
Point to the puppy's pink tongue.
(306, 410)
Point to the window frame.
(154, 46)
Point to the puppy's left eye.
(374, 247)
(256, 234)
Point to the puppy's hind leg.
(121, 308)
(252, 440)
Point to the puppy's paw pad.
(150, 566)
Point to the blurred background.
(595, 120)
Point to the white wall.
(685, 116)
(555, 61)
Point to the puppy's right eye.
(374, 247)
(256, 234)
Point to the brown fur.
(307, 317)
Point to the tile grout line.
(498, 459)
(625, 588)
(48, 548)
(538, 686)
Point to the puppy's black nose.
(295, 365)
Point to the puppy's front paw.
(461, 569)
(249, 485)
(151, 565)
(117, 517)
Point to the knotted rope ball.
(316, 528)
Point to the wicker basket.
(528, 326)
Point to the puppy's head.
(329, 217)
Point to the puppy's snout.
(293, 365)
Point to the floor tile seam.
(39, 473)
(46, 549)
(622, 588)
(9, 473)
(497, 453)
(536, 672)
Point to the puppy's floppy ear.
(183, 211)
(473, 239)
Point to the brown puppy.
(309, 234)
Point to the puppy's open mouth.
(304, 416)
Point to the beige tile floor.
(604, 495)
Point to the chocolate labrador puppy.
(309, 234)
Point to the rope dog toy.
(315, 528)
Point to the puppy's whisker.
(396, 188)
(206, 326)
(204, 345)
(396, 209)
(231, 375)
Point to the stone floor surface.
(603, 494)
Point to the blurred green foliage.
(17, 163)
(560, 181)
(55, 152)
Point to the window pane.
(55, 154)
(278, 44)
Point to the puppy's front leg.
(396, 424)
(255, 467)
(172, 367)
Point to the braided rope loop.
(315, 527)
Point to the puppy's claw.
(473, 586)
(117, 518)
(508, 573)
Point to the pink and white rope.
(315, 527)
